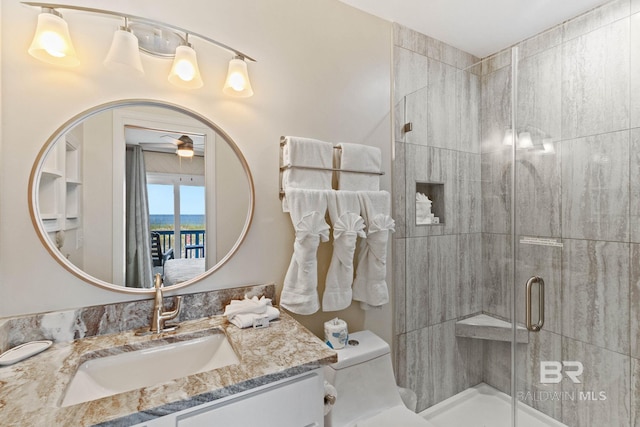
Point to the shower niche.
(430, 203)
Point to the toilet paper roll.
(330, 396)
(336, 333)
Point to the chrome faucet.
(159, 315)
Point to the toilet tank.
(363, 377)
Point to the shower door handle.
(532, 281)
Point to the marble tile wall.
(595, 293)
(469, 200)
(605, 372)
(451, 365)
(634, 181)
(595, 69)
(495, 109)
(635, 392)
(439, 264)
(634, 61)
(576, 88)
(399, 207)
(634, 306)
(543, 346)
(496, 191)
(539, 193)
(496, 366)
(496, 272)
(595, 19)
(468, 92)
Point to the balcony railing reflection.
(193, 242)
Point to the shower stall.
(517, 285)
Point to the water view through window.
(165, 200)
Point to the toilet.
(367, 395)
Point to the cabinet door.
(296, 403)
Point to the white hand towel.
(361, 158)
(370, 285)
(344, 211)
(300, 289)
(242, 313)
(306, 152)
(246, 320)
(247, 305)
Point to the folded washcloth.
(361, 158)
(306, 152)
(247, 320)
(300, 289)
(344, 211)
(247, 305)
(370, 285)
(242, 313)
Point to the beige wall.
(323, 72)
(97, 196)
(231, 183)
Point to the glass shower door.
(575, 176)
(524, 291)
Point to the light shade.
(52, 42)
(184, 72)
(524, 140)
(508, 137)
(124, 54)
(238, 83)
(185, 146)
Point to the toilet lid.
(394, 417)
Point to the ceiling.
(479, 27)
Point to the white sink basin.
(111, 374)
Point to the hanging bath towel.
(370, 285)
(300, 290)
(298, 154)
(361, 158)
(344, 211)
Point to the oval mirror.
(134, 188)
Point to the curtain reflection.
(139, 268)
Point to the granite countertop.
(31, 391)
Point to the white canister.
(336, 333)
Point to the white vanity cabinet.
(292, 402)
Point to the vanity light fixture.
(185, 146)
(184, 71)
(124, 54)
(238, 83)
(52, 44)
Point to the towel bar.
(283, 142)
(331, 169)
(335, 147)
